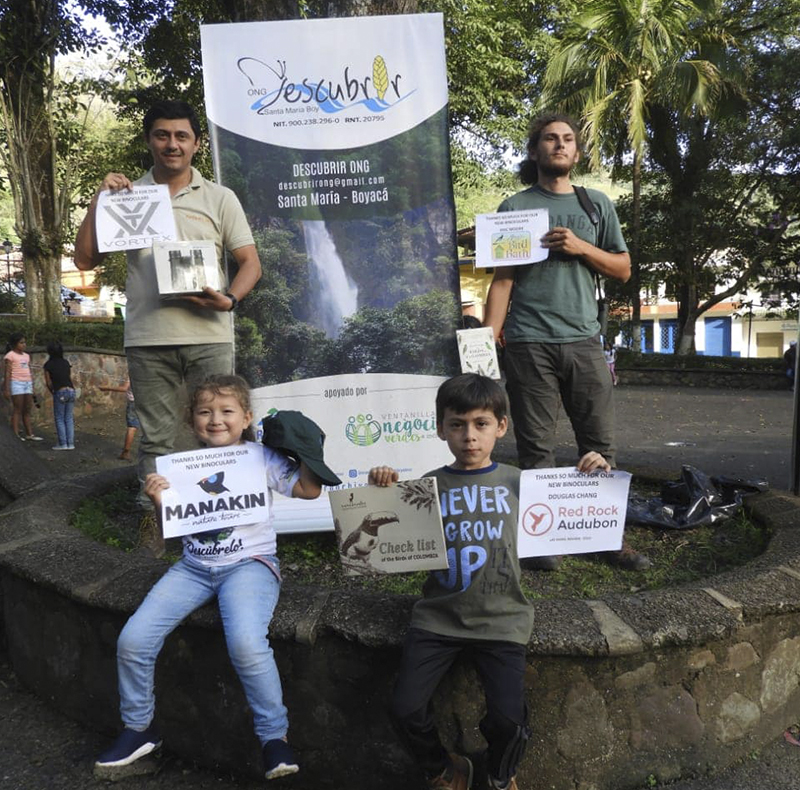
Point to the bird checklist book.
(213, 488)
(396, 529)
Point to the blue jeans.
(63, 405)
(247, 593)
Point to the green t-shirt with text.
(479, 595)
(554, 301)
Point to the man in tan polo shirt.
(186, 339)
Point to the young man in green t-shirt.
(476, 606)
(553, 353)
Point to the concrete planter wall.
(667, 683)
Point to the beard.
(554, 169)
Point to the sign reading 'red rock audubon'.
(563, 511)
(334, 135)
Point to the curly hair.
(528, 172)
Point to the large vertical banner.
(334, 135)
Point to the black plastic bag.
(693, 501)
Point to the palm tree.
(616, 61)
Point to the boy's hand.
(593, 462)
(153, 486)
(382, 476)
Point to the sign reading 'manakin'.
(196, 509)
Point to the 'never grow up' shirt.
(479, 595)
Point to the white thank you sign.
(563, 511)
(132, 219)
(213, 488)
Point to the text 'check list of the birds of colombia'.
(213, 489)
(563, 511)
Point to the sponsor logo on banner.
(281, 87)
(325, 84)
(363, 430)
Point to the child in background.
(58, 378)
(477, 605)
(610, 354)
(246, 582)
(131, 418)
(18, 385)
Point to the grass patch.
(678, 556)
(107, 518)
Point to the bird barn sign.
(213, 489)
(389, 530)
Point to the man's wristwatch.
(234, 301)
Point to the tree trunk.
(685, 344)
(687, 319)
(635, 281)
(27, 78)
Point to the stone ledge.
(664, 680)
(703, 377)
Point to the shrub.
(73, 334)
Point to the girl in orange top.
(18, 385)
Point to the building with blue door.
(740, 327)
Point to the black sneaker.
(278, 759)
(129, 747)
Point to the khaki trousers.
(542, 376)
(157, 375)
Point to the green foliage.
(113, 271)
(11, 303)
(417, 336)
(705, 94)
(617, 58)
(628, 360)
(495, 53)
(43, 114)
(98, 517)
(74, 334)
(308, 551)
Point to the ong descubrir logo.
(279, 85)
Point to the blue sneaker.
(129, 747)
(278, 759)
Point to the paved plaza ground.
(739, 433)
